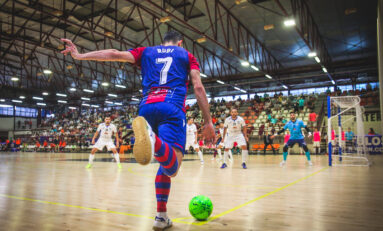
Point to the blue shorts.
(219, 141)
(292, 142)
(167, 121)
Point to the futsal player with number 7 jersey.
(160, 127)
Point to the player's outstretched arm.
(101, 55)
(200, 94)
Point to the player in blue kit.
(160, 128)
(295, 127)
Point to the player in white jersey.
(219, 144)
(106, 131)
(191, 138)
(235, 131)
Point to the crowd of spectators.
(73, 130)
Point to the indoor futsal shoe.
(89, 165)
(244, 166)
(224, 165)
(143, 149)
(282, 163)
(310, 163)
(161, 223)
(119, 166)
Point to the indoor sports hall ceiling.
(222, 34)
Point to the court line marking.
(258, 198)
(176, 220)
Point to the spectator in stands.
(301, 103)
(261, 130)
(371, 132)
(268, 141)
(312, 119)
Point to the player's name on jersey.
(164, 50)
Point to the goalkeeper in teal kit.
(295, 127)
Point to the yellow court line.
(74, 206)
(256, 199)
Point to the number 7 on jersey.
(164, 71)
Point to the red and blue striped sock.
(163, 184)
(166, 155)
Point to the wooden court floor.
(43, 191)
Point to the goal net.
(345, 132)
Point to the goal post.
(346, 148)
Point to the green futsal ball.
(200, 207)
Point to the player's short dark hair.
(172, 36)
(292, 112)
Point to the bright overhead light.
(109, 102)
(2, 100)
(105, 84)
(254, 67)
(120, 86)
(37, 98)
(245, 63)
(317, 59)
(89, 91)
(165, 19)
(237, 88)
(241, 90)
(220, 82)
(72, 89)
(45, 93)
(17, 101)
(5, 105)
(84, 98)
(333, 82)
(62, 101)
(61, 95)
(135, 99)
(201, 40)
(202, 75)
(47, 71)
(15, 79)
(268, 76)
(85, 104)
(289, 22)
(324, 70)
(119, 104)
(285, 87)
(112, 95)
(312, 54)
(21, 97)
(41, 104)
(96, 106)
(73, 108)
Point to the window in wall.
(25, 112)
(7, 111)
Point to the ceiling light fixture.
(47, 71)
(254, 67)
(289, 22)
(120, 86)
(89, 91)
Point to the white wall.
(7, 123)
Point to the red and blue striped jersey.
(165, 71)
